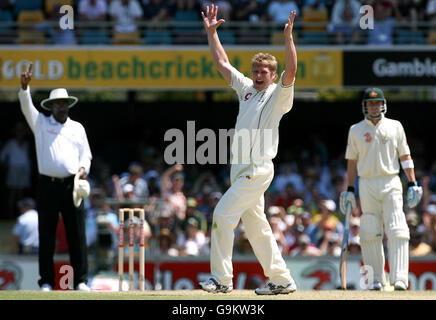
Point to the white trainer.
(213, 286)
(82, 286)
(46, 287)
(400, 286)
(274, 289)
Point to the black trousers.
(55, 196)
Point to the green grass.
(200, 295)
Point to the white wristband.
(407, 164)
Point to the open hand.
(290, 24)
(26, 77)
(210, 21)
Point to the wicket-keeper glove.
(347, 196)
(414, 194)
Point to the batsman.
(376, 147)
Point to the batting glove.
(414, 194)
(347, 197)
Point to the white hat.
(330, 205)
(58, 94)
(81, 190)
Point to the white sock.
(398, 256)
(373, 256)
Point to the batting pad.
(398, 256)
(373, 256)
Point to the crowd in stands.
(301, 205)
(146, 21)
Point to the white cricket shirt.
(61, 148)
(377, 148)
(259, 115)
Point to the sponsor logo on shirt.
(247, 96)
(368, 137)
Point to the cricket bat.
(344, 251)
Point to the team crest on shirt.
(368, 137)
(247, 96)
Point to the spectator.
(278, 227)
(15, 158)
(382, 33)
(316, 4)
(328, 213)
(242, 244)
(166, 244)
(429, 221)
(156, 10)
(344, 23)
(192, 212)
(288, 174)
(417, 246)
(430, 13)
(172, 182)
(408, 12)
(58, 36)
(305, 247)
(225, 11)
(25, 232)
(134, 178)
(152, 179)
(250, 10)
(205, 184)
(125, 14)
(185, 5)
(278, 10)
(354, 246)
(286, 198)
(333, 247)
(92, 10)
(193, 241)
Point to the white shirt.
(125, 15)
(92, 12)
(26, 228)
(377, 148)
(279, 11)
(259, 115)
(61, 148)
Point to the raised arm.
(219, 56)
(290, 52)
(27, 107)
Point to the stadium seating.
(50, 4)
(319, 16)
(227, 37)
(313, 38)
(21, 5)
(432, 37)
(189, 37)
(157, 37)
(126, 38)
(91, 37)
(253, 37)
(7, 33)
(27, 20)
(277, 38)
(409, 37)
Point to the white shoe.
(213, 286)
(400, 286)
(82, 286)
(273, 289)
(377, 286)
(46, 287)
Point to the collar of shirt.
(54, 122)
(372, 125)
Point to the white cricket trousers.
(245, 200)
(381, 200)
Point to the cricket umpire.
(63, 152)
(376, 147)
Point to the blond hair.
(265, 59)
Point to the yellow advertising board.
(145, 68)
